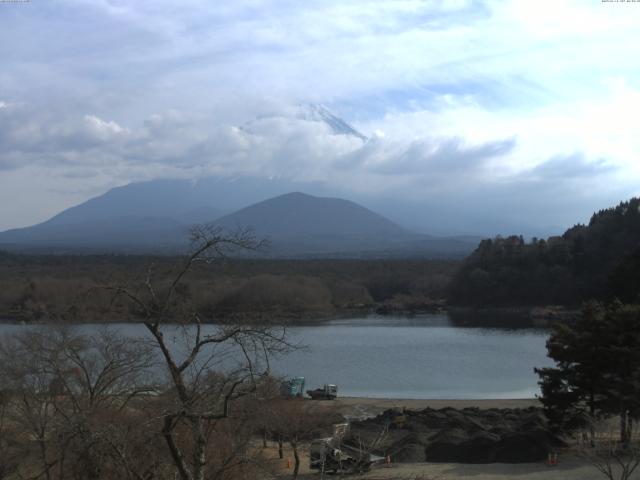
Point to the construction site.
(427, 439)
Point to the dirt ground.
(568, 468)
(498, 471)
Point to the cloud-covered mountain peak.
(304, 113)
(319, 113)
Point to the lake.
(398, 357)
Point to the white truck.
(327, 392)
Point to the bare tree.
(212, 366)
(31, 400)
(68, 393)
(8, 456)
(614, 458)
(296, 421)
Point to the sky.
(519, 112)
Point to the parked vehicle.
(292, 387)
(327, 392)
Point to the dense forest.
(600, 260)
(39, 288)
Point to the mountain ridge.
(298, 224)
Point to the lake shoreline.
(361, 407)
(525, 316)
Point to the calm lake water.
(399, 357)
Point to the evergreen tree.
(587, 261)
(597, 371)
(624, 282)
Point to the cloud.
(449, 156)
(459, 175)
(275, 145)
(487, 97)
(289, 146)
(32, 136)
(102, 129)
(315, 50)
(574, 166)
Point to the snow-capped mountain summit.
(306, 112)
(314, 112)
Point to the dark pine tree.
(597, 371)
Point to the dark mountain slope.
(588, 261)
(297, 213)
(303, 225)
(166, 198)
(155, 213)
(298, 225)
(118, 234)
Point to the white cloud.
(132, 90)
(104, 130)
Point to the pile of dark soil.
(470, 435)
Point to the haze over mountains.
(304, 140)
(155, 217)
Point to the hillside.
(129, 234)
(297, 213)
(143, 216)
(597, 260)
(297, 224)
(300, 224)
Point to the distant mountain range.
(154, 217)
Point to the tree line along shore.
(66, 288)
(535, 280)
